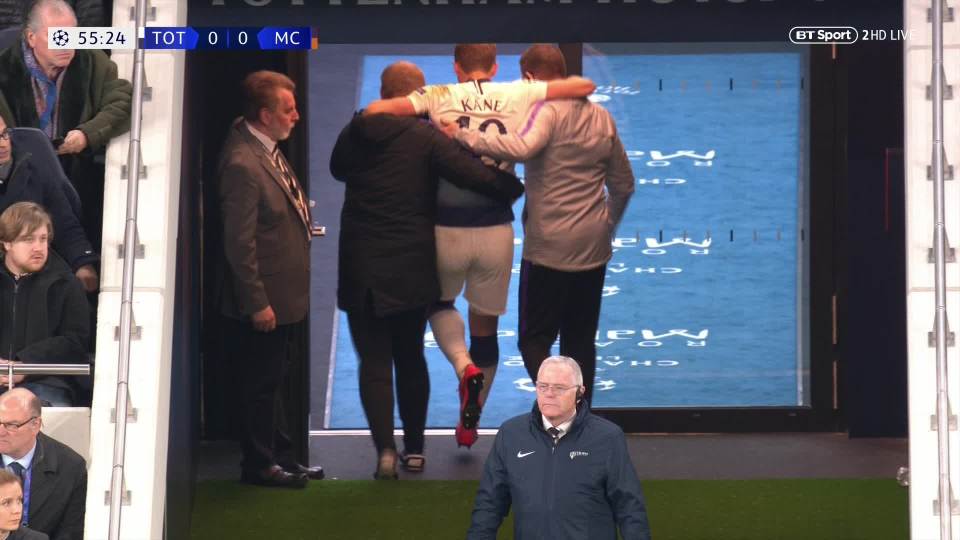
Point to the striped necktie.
(291, 182)
(555, 433)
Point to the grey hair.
(33, 22)
(564, 361)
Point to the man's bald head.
(543, 62)
(21, 398)
(20, 409)
(399, 79)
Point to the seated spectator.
(24, 177)
(80, 108)
(44, 316)
(11, 510)
(53, 475)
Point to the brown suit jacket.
(266, 242)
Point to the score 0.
(223, 38)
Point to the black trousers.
(385, 344)
(264, 359)
(566, 303)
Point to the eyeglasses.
(14, 426)
(5, 134)
(543, 388)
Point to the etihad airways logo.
(578, 453)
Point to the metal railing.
(126, 302)
(940, 278)
(44, 369)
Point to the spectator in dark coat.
(84, 106)
(44, 316)
(54, 475)
(24, 177)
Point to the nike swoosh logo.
(521, 454)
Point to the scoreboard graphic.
(183, 38)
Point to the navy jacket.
(42, 182)
(391, 166)
(585, 488)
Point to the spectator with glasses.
(594, 490)
(74, 96)
(54, 477)
(25, 176)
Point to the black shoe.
(274, 476)
(312, 473)
(386, 465)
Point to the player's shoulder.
(433, 91)
(518, 86)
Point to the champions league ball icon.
(61, 38)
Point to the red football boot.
(470, 386)
(466, 437)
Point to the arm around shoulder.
(466, 171)
(571, 87)
(399, 106)
(520, 145)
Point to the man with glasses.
(566, 472)
(74, 96)
(54, 477)
(44, 316)
(26, 176)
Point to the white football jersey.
(480, 105)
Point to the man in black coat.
(54, 476)
(26, 177)
(387, 265)
(44, 317)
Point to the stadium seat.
(69, 425)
